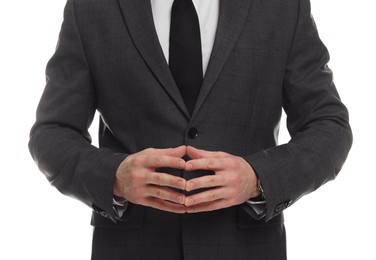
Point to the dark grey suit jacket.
(267, 56)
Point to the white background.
(37, 222)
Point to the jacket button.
(282, 206)
(192, 133)
(279, 208)
(104, 214)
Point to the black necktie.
(185, 51)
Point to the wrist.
(117, 191)
(118, 182)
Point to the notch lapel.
(232, 17)
(139, 19)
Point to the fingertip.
(188, 202)
(181, 150)
(189, 186)
(181, 164)
(188, 166)
(181, 184)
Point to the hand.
(234, 181)
(138, 182)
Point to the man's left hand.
(234, 181)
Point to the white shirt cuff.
(119, 206)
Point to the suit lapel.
(139, 19)
(232, 17)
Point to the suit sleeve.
(316, 119)
(59, 141)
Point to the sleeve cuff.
(259, 207)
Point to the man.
(190, 97)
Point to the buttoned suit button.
(192, 133)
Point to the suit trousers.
(228, 234)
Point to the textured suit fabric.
(267, 56)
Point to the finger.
(211, 164)
(208, 181)
(165, 205)
(165, 194)
(195, 153)
(158, 161)
(205, 197)
(164, 179)
(179, 151)
(209, 206)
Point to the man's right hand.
(138, 182)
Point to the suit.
(266, 56)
